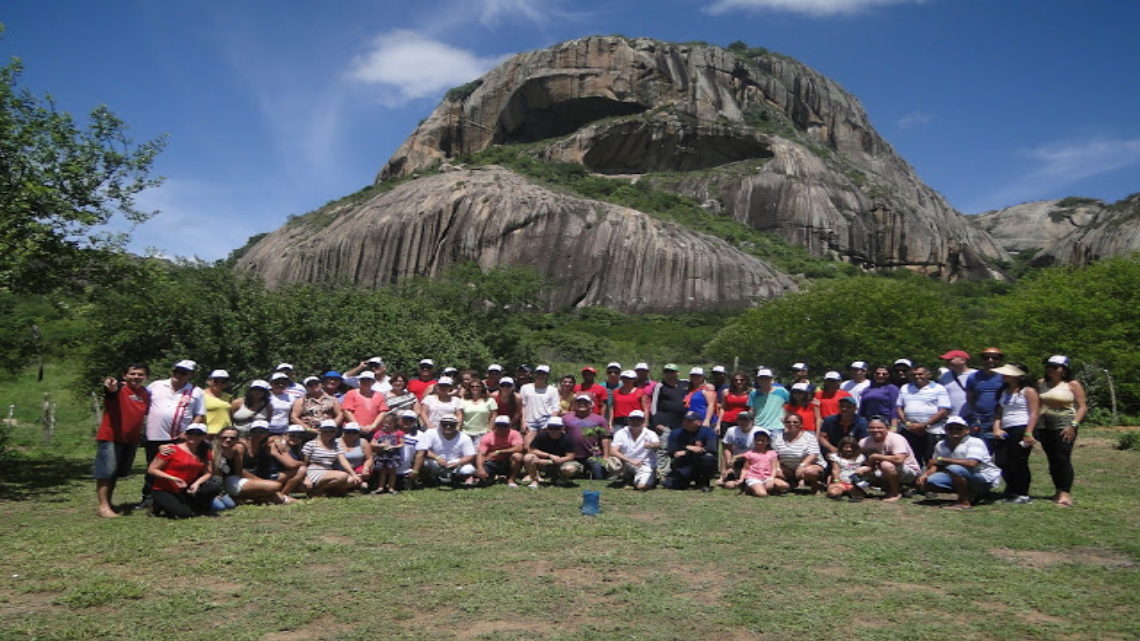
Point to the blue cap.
(332, 373)
(694, 416)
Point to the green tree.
(1087, 314)
(60, 184)
(835, 322)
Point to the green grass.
(519, 564)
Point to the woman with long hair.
(253, 406)
(1016, 412)
(1063, 407)
(324, 458)
(231, 463)
(179, 472)
(880, 397)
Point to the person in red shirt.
(804, 405)
(125, 404)
(598, 393)
(828, 396)
(500, 453)
(424, 381)
(626, 399)
(179, 472)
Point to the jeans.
(943, 479)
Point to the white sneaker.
(512, 484)
(533, 485)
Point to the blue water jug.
(591, 502)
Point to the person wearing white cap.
(414, 436)
(365, 405)
(551, 453)
(589, 436)
(440, 402)
(217, 401)
(767, 402)
(446, 455)
(175, 404)
(316, 406)
(901, 372)
(1063, 407)
(500, 453)
(281, 400)
(829, 394)
(719, 379)
(379, 371)
(643, 382)
(494, 375)
(800, 375)
(633, 453)
(858, 381)
(327, 465)
(508, 401)
(178, 473)
(701, 398)
(295, 389)
(961, 465)
(539, 401)
(425, 379)
(254, 405)
(625, 399)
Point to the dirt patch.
(29, 603)
(494, 629)
(1036, 617)
(336, 539)
(911, 587)
(655, 518)
(1047, 558)
(317, 630)
(225, 588)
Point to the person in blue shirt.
(692, 449)
(983, 391)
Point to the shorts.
(497, 468)
(755, 481)
(234, 483)
(549, 468)
(906, 475)
(113, 460)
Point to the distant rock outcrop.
(755, 137)
(766, 139)
(1070, 231)
(594, 253)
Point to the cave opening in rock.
(634, 148)
(533, 113)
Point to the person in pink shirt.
(890, 461)
(364, 405)
(500, 453)
(762, 474)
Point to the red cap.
(589, 369)
(955, 353)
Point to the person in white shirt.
(540, 401)
(737, 440)
(446, 455)
(922, 407)
(174, 404)
(961, 465)
(954, 378)
(858, 381)
(633, 453)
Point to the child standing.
(845, 461)
(388, 452)
(762, 473)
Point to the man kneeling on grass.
(633, 454)
(961, 465)
(890, 461)
(552, 454)
(500, 453)
(446, 456)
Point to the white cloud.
(195, 219)
(914, 119)
(407, 66)
(814, 8)
(1058, 165)
(492, 12)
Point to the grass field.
(523, 564)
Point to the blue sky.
(275, 107)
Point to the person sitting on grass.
(500, 453)
(324, 457)
(890, 462)
(761, 469)
(231, 465)
(692, 448)
(961, 465)
(552, 454)
(179, 471)
(798, 450)
(268, 458)
(845, 461)
(446, 455)
(737, 440)
(633, 453)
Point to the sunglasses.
(992, 357)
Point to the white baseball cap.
(219, 373)
(367, 375)
(799, 366)
(186, 364)
(858, 365)
(278, 376)
(502, 419)
(494, 367)
(628, 374)
(801, 387)
(281, 366)
(832, 376)
(445, 380)
(260, 384)
(543, 368)
(764, 371)
(644, 366)
(719, 369)
(637, 414)
(697, 371)
(554, 421)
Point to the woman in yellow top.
(217, 402)
(1063, 407)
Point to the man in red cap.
(598, 393)
(954, 377)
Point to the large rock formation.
(766, 140)
(1070, 231)
(760, 139)
(594, 253)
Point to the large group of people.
(888, 431)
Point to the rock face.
(594, 253)
(760, 139)
(765, 139)
(1070, 231)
